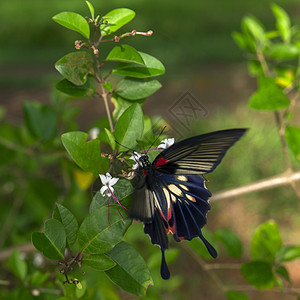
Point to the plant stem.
(281, 131)
(263, 62)
(103, 94)
(281, 124)
(105, 99)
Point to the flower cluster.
(108, 181)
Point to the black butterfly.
(171, 196)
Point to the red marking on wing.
(161, 161)
(145, 173)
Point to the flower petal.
(103, 189)
(166, 143)
(113, 181)
(103, 178)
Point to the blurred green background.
(193, 40)
(186, 35)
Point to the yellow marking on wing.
(184, 187)
(174, 189)
(168, 198)
(173, 198)
(182, 178)
(191, 198)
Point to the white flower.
(166, 143)
(136, 157)
(108, 181)
(93, 133)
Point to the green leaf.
(288, 253)
(283, 51)
(254, 68)
(125, 53)
(80, 289)
(292, 136)
(91, 9)
(100, 262)
(266, 241)
(283, 272)
(100, 232)
(108, 86)
(129, 127)
(153, 67)
(107, 137)
(283, 22)
(74, 22)
(253, 27)
(76, 66)
(240, 40)
(116, 19)
(87, 155)
(231, 241)
(69, 221)
(131, 272)
(41, 120)
(269, 96)
(259, 274)
(67, 87)
(123, 191)
(234, 295)
(17, 265)
(52, 241)
(38, 278)
(134, 89)
(122, 104)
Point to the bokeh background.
(193, 40)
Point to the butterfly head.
(144, 161)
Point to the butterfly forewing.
(198, 155)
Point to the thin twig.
(6, 228)
(263, 63)
(12, 146)
(25, 248)
(265, 184)
(226, 266)
(203, 264)
(281, 131)
(211, 267)
(4, 282)
(249, 288)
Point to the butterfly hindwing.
(186, 200)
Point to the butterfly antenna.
(124, 146)
(157, 138)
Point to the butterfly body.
(171, 195)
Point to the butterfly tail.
(164, 270)
(212, 251)
(157, 232)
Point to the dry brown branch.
(287, 178)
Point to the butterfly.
(171, 196)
